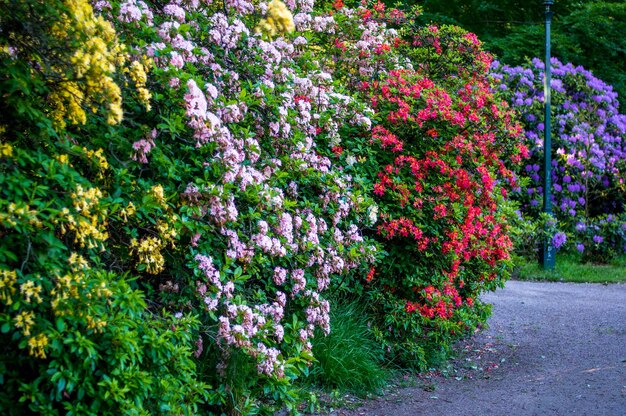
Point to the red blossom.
(337, 150)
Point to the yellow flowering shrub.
(94, 61)
(77, 335)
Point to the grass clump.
(349, 358)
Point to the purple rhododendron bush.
(589, 155)
(185, 184)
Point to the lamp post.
(549, 256)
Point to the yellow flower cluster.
(8, 279)
(158, 194)
(24, 321)
(37, 344)
(90, 225)
(72, 286)
(139, 76)
(166, 233)
(128, 211)
(278, 20)
(20, 214)
(77, 262)
(95, 324)
(94, 61)
(62, 158)
(97, 157)
(31, 290)
(149, 253)
(85, 200)
(6, 150)
(148, 250)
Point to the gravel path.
(551, 349)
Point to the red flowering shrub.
(438, 161)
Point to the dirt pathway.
(551, 349)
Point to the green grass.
(570, 269)
(348, 358)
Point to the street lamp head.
(548, 2)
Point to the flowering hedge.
(182, 183)
(210, 195)
(589, 147)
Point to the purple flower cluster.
(559, 240)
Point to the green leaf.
(60, 324)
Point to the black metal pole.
(549, 255)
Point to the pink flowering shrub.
(255, 220)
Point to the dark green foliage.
(590, 34)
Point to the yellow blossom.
(37, 344)
(165, 231)
(30, 290)
(24, 321)
(278, 20)
(103, 291)
(97, 156)
(6, 150)
(19, 214)
(138, 73)
(8, 279)
(149, 253)
(128, 211)
(78, 262)
(94, 61)
(90, 225)
(95, 324)
(158, 194)
(64, 159)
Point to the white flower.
(372, 214)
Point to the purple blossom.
(559, 239)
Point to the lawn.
(569, 269)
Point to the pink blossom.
(299, 282)
(175, 11)
(280, 275)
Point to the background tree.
(584, 33)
